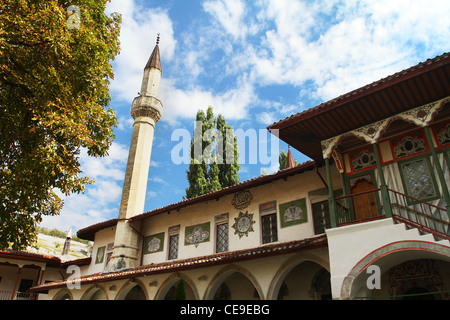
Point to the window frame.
(173, 232)
(223, 224)
(221, 220)
(273, 221)
(171, 255)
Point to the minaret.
(146, 110)
(290, 160)
(67, 242)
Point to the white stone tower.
(146, 111)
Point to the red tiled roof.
(77, 262)
(30, 256)
(51, 261)
(197, 262)
(88, 233)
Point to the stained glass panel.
(418, 179)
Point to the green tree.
(228, 168)
(211, 170)
(282, 159)
(180, 290)
(54, 101)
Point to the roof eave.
(315, 242)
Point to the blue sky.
(255, 62)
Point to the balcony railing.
(368, 205)
(11, 295)
(358, 207)
(419, 214)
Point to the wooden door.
(364, 203)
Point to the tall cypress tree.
(212, 171)
(282, 160)
(180, 290)
(229, 163)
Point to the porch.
(395, 168)
(368, 206)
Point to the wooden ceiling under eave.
(416, 86)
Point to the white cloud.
(157, 180)
(152, 194)
(184, 103)
(335, 46)
(137, 39)
(101, 200)
(268, 118)
(125, 123)
(230, 15)
(344, 45)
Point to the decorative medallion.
(363, 160)
(242, 199)
(154, 243)
(243, 224)
(197, 234)
(409, 145)
(100, 255)
(444, 135)
(293, 212)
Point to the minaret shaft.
(150, 83)
(136, 176)
(146, 111)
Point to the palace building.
(366, 218)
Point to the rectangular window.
(173, 246)
(418, 179)
(222, 237)
(269, 228)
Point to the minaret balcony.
(147, 106)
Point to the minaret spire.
(290, 160)
(146, 110)
(67, 242)
(154, 61)
(152, 73)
